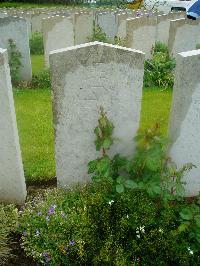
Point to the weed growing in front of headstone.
(159, 71)
(36, 43)
(14, 60)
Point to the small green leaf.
(186, 214)
(107, 143)
(119, 188)
(130, 184)
(92, 166)
(120, 180)
(197, 220)
(183, 227)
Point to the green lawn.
(37, 63)
(155, 108)
(34, 118)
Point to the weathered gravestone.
(163, 25)
(84, 78)
(83, 27)
(16, 29)
(108, 23)
(141, 34)
(12, 182)
(58, 32)
(184, 130)
(184, 35)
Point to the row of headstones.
(18, 25)
(177, 32)
(141, 31)
(85, 78)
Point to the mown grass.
(156, 105)
(37, 63)
(34, 118)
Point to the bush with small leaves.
(36, 43)
(14, 60)
(159, 71)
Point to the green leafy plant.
(36, 43)
(8, 217)
(14, 60)
(41, 80)
(159, 71)
(98, 35)
(198, 46)
(133, 213)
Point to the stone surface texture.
(141, 34)
(58, 32)
(184, 35)
(84, 78)
(12, 182)
(16, 28)
(184, 129)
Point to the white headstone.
(58, 32)
(184, 130)
(84, 78)
(12, 182)
(16, 29)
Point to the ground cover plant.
(133, 213)
(8, 218)
(159, 71)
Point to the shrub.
(132, 214)
(36, 43)
(8, 224)
(41, 80)
(158, 71)
(98, 35)
(14, 60)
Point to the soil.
(18, 257)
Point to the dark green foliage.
(98, 35)
(198, 46)
(8, 224)
(36, 43)
(14, 60)
(41, 80)
(159, 71)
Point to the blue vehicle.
(194, 11)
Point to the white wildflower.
(110, 202)
(190, 251)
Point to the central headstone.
(84, 78)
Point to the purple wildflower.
(46, 256)
(71, 243)
(37, 232)
(39, 213)
(51, 209)
(24, 233)
(62, 214)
